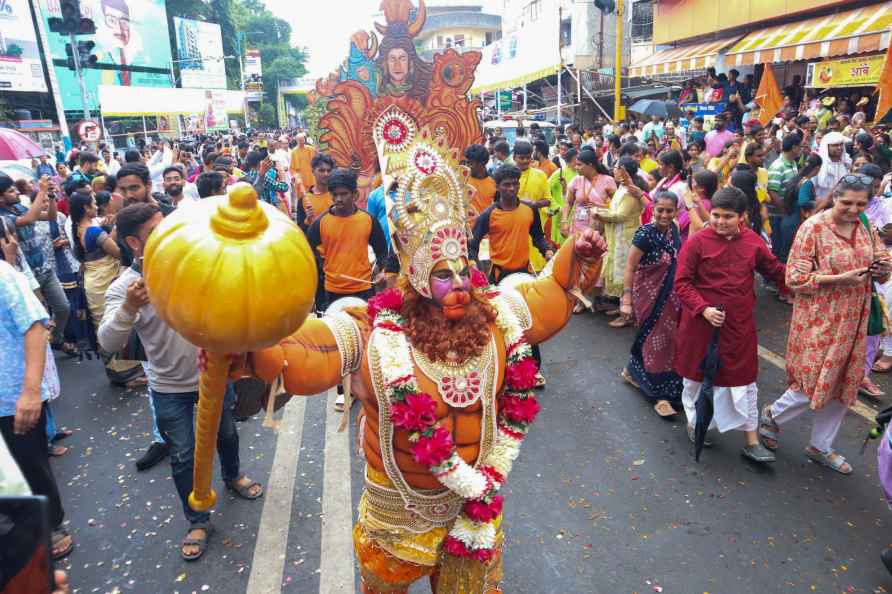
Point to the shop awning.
(684, 58)
(852, 32)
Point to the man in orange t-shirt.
(317, 199)
(540, 155)
(340, 238)
(510, 224)
(477, 158)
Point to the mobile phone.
(25, 558)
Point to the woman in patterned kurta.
(621, 220)
(827, 271)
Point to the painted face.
(398, 65)
(450, 283)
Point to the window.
(532, 11)
(459, 40)
(642, 20)
(439, 41)
(448, 42)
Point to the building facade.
(459, 25)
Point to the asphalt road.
(606, 497)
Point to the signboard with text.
(850, 72)
(199, 54)
(20, 64)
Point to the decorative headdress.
(397, 14)
(429, 211)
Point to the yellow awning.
(684, 58)
(846, 33)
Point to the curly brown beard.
(440, 339)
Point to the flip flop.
(244, 491)
(869, 392)
(201, 543)
(628, 378)
(664, 409)
(62, 434)
(882, 367)
(57, 537)
(57, 451)
(620, 322)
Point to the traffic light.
(606, 6)
(69, 52)
(85, 55)
(71, 21)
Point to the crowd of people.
(693, 214)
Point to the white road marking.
(858, 408)
(268, 566)
(336, 559)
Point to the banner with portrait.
(132, 46)
(20, 63)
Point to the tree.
(267, 116)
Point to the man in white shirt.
(161, 160)
(835, 164)
(111, 164)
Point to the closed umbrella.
(654, 107)
(15, 146)
(704, 404)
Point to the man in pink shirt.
(718, 137)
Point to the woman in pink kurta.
(828, 270)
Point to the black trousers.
(31, 452)
(332, 297)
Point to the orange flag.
(768, 97)
(884, 88)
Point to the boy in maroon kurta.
(714, 283)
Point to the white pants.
(827, 420)
(734, 408)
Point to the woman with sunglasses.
(831, 264)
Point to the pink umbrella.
(15, 146)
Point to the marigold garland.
(473, 533)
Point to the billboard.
(131, 44)
(20, 64)
(848, 72)
(215, 117)
(199, 54)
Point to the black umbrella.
(704, 403)
(654, 107)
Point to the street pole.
(54, 83)
(618, 63)
(79, 74)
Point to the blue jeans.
(175, 416)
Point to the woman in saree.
(648, 294)
(620, 220)
(100, 264)
(557, 188)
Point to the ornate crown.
(430, 209)
(398, 13)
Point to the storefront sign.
(705, 110)
(850, 72)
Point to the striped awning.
(852, 32)
(684, 58)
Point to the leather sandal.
(244, 491)
(768, 429)
(831, 460)
(201, 542)
(58, 536)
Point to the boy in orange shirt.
(477, 158)
(340, 238)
